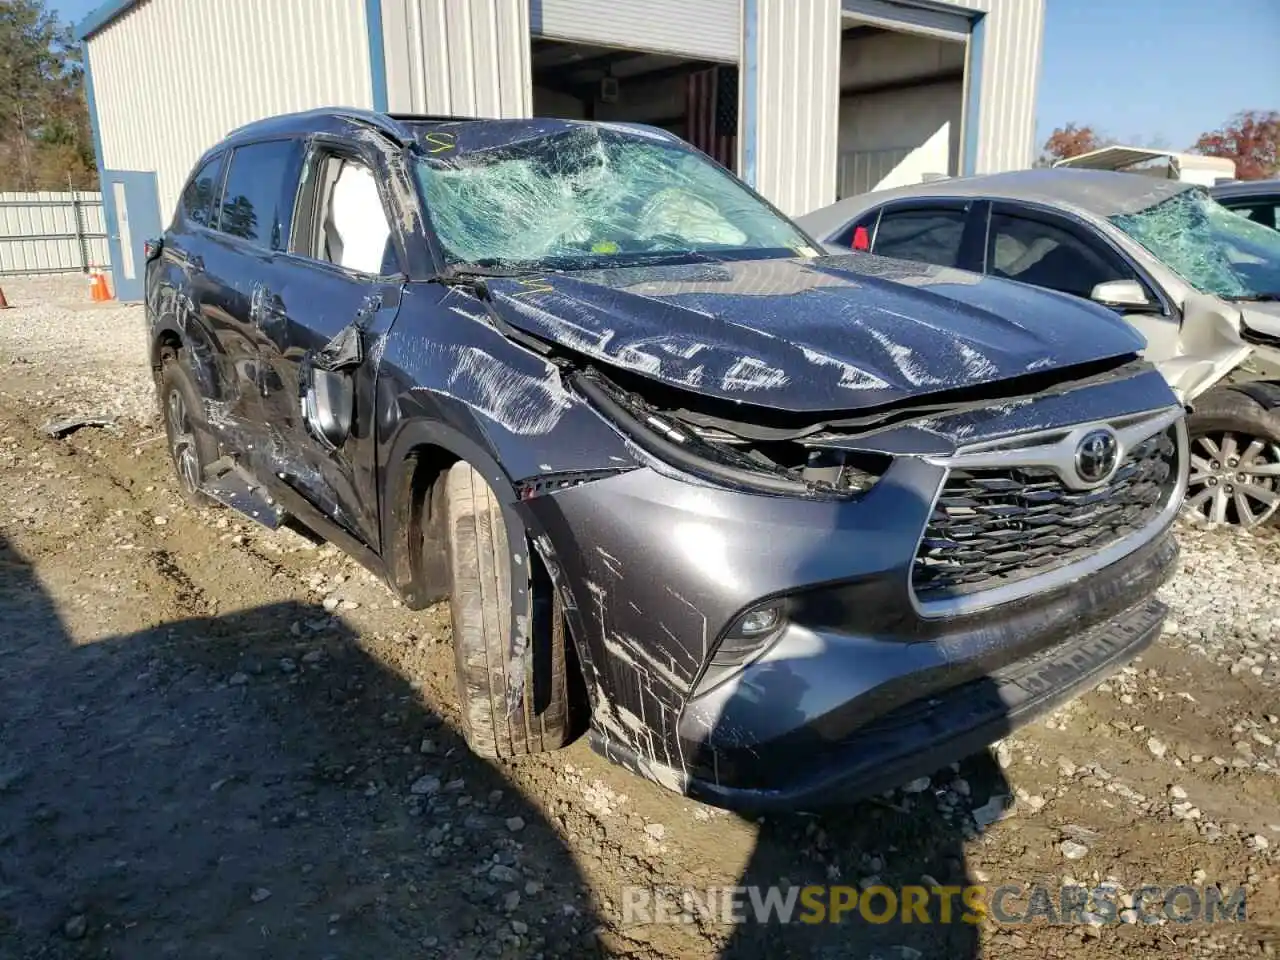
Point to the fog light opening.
(750, 633)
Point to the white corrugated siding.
(704, 29)
(172, 77)
(1014, 35)
(798, 79)
(458, 57)
(38, 232)
(797, 102)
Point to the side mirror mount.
(1127, 295)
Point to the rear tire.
(191, 444)
(1232, 436)
(509, 708)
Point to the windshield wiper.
(471, 272)
(1264, 296)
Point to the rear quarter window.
(199, 199)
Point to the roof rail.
(384, 123)
(390, 125)
(432, 117)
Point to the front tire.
(1235, 460)
(511, 706)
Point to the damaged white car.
(1200, 282)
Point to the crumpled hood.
(825, 334)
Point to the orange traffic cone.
(98, 289)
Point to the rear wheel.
(514, 701)
(1235, 460)
(191, 445)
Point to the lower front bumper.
(924, 736)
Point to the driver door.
(333, 298)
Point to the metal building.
(809, 100)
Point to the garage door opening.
(901, 108)
(694, 99)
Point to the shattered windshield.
(593, 196)
(1212, 248)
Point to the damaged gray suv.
(779, 529)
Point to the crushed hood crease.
(832, 333)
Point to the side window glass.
(1042, 254)
(257, 203)
(857, 235)
(351, 227)
(199, 198)
(926, 236)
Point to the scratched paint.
(769, 333)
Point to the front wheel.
(514, 701)
(1235, 461)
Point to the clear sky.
(1157, 69)
(1133, 69)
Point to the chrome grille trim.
(1054, 450)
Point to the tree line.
(45, 138)
(1250, 138)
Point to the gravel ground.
(220, 741)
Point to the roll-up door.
(701, 29)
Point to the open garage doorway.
(902, 99)
(694, 99)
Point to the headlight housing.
(781, 467)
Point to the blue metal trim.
(750, 88)
(377, 54)
(102, 16)
(108, 200)
(973, 107)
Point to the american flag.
(711, 123)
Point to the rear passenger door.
(250, 230)
(198, 295)
(944, 233)
(326, 307)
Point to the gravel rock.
(515, 824)
(919, 785)
(425, 786)
(501, 873)
(1073, 850)
(655, 832)
(1157, 747)
(76, 927)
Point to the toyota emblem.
(1096, 456)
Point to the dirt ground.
(220, 741)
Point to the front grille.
(993, 527)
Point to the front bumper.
(925, 735)
(858, 691)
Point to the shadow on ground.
(153, 806)
(906, 841)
